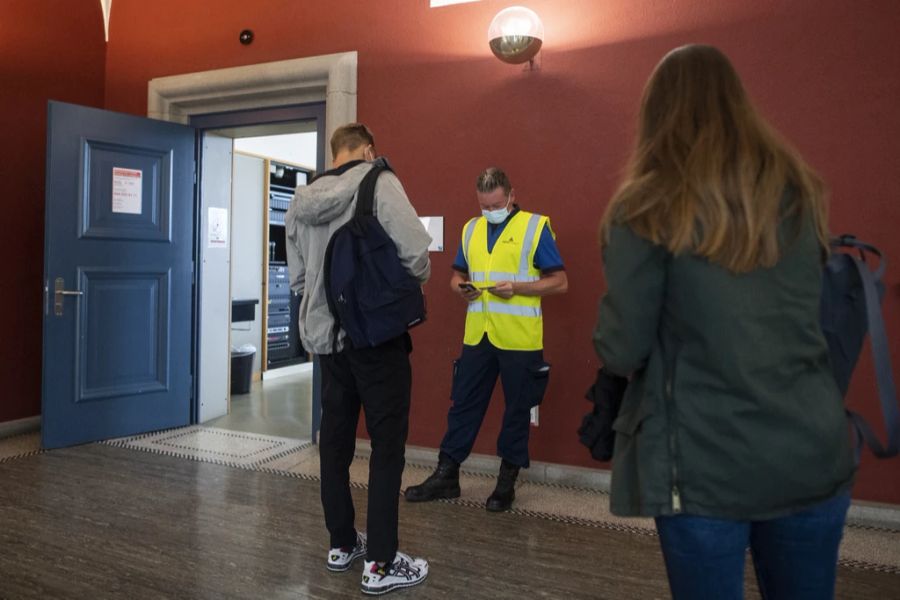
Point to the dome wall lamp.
(516, 35)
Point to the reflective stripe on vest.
(506, 309)
(524, 263)
(479, 276)
(467, 237)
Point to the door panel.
(119, 307)
(118, 275)
(98, 217)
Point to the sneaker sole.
(397, 586)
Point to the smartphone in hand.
(468, 287)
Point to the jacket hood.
(328, 196)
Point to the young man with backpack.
(376, 378)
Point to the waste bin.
(242, 368)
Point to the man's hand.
(555, 282)
(459, 283)
(504, 289)
(469, 294)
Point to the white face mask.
(495, 217)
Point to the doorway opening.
(271, 379)
(251, 163)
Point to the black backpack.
(851, 307)
(370, 294)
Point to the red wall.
(52, 49)
(827, 73)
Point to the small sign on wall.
(435, 228)
(127, 187)
(218, 227)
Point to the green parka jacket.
(732, 411)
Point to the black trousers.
(378, 379)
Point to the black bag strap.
(887, 391)
(365, 197)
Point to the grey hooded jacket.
(317, 211)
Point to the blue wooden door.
(117, 275)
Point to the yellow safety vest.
(516, 323)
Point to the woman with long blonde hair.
(732, 431)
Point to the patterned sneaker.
(341, 559)
(402, 573)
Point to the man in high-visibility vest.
(506, 262)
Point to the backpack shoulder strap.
(887, 391)
(365, 199)
(849, 241)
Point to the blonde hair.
(708, 175)
(350, 137)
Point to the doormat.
(210, 444)
(863, 547)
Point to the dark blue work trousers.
(524, 376)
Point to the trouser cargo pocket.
(537, 380)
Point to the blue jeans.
(794, 556)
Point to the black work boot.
(443, 483)
(505, 492)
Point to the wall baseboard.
(538, 472)
(11, 428)
(862, 513)
(874, 514)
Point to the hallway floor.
(99, 521)
(280, 406)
